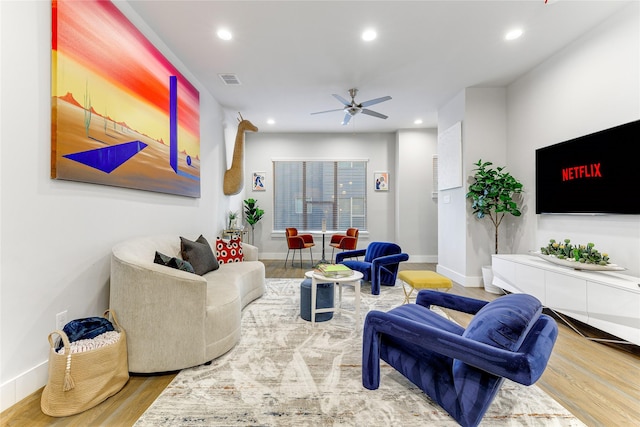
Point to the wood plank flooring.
(599, 383)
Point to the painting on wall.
(258, 181)
(381, 181)
(121, 113)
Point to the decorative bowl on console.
(578, 257)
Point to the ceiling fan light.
(369, 35)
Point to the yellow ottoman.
(417, 279)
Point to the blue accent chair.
(460, 369)
(380, 265)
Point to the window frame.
(334, 221)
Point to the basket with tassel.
(80, 381)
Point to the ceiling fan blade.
(328, 111)
(341, 99)
(346, 119)
(373, 113)
(375, 101)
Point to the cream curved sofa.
(175, 319)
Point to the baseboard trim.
(466, 281)
(25, 384)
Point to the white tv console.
(608, 301)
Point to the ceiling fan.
(352, 108)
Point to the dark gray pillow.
(173, 262)
(199, 254)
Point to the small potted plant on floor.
(492, 195)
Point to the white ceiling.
(290, 56)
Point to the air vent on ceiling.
(230, 79)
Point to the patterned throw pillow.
(173, 262)
(229, 251)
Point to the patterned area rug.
(286, 372)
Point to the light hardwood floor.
(599, 383)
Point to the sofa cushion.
(229, 251)
(173, 262)
(199, 255)
(505, 322)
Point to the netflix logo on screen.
(582, 171)
(591, 174)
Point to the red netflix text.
(583, 171)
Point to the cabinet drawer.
(567, 295)
(530, 280)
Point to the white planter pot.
(487, 277)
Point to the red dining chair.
(299, 242)
(345, 242)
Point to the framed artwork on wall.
(258, 181)
(122, 114)
(381, 181)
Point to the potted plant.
(232, 220)
(253, 214)
(492, 195)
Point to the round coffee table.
(316, 278)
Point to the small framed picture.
(258, 181)
(381, 181)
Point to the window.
(308, 192)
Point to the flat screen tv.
(592, 174)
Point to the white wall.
(382, 150)
(452, 216)
(56, 235)
(593, 84)
(466, 243)
(416, 210)
(486, 139)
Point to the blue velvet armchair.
(380, 265)
(460, 369)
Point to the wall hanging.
(233, 177)
(121, 113)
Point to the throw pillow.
(199, 254)
(229, 251)
(173, 262)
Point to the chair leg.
(311, 253)
(407, 295)
(287, 258)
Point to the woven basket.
(80, 381)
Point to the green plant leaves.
(252, 212)
(492, 194)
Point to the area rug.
(287, 372)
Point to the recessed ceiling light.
(369, 35)
(513, 34)
(271, 122)
(224, 34)
(417, 122)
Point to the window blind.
(306, 192)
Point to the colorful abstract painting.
(121, 114)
